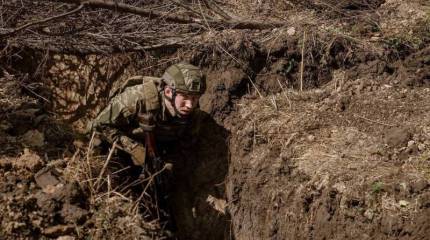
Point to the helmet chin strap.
(172, 102)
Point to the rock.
(28, 160)
(397, 137)
(33, 138)
(45, 178)
(73, 214)
(369, 214)
(310, 138)
(403, 203)
(58, 230)
(291, 31)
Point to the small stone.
(369, 213)
(291, 31)
(311, 138)
(403, 203)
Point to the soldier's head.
(184, 84)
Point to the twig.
(190, 9)
(284, 92)
(303, 60)
(150, 179)
(122, 7)
(25, 26)
(275, 105)
(290, 139)
(105, 166)
(256, 89)
(216, 9)
(374, 121)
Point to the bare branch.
(216, 9)
(25, 26)
(121, 7)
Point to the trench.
(217, 170)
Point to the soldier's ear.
(168, 92)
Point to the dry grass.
(10, 96)
(118, 212)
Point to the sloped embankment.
(348, 160)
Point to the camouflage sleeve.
(121, 110)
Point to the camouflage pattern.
(185, 78)
(121, 119)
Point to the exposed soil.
(335, 164)
(346, 157)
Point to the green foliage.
(377, 187)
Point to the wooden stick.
(302, 65)
(122, 7)
(374, 121)
(105, 166)
(284, 92)
(25, 26)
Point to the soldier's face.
(184, 103)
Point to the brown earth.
(348, 157)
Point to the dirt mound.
(347, 157)
(344, 161)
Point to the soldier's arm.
(120, 111)
(118, 116)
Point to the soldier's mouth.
(185, 112)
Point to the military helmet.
(186, 78)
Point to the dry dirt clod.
(33, 138)
(397, 137)
(28, 160)
(45, 178)
(73, 214)
(58, 230)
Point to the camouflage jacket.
(120, 117)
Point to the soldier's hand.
(138, 155)
(138, 133)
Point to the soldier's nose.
(188, 104)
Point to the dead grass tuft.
(118, 213)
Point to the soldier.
(149, 114)
(159, 110)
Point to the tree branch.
(121, 7)
(25, 26)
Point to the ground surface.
(347, 157)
